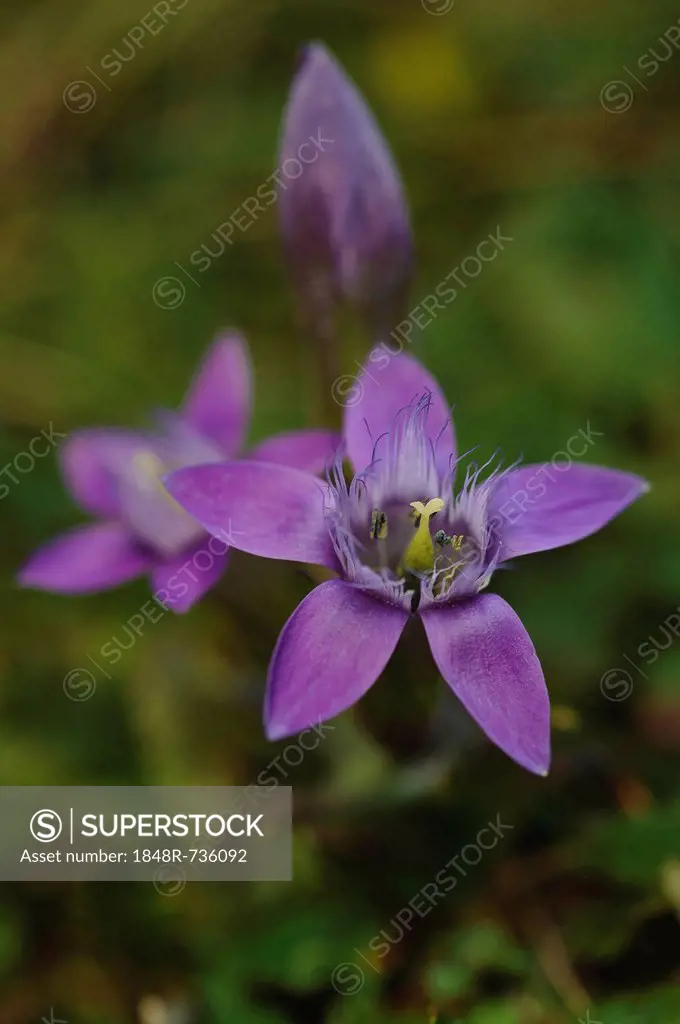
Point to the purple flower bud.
(343, 214)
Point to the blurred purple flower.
(403, 544)
(116, 476)
(344, 218)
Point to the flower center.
(147, 470)
(406, 546)
(154, 515)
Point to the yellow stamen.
(148, 470)
(419, 555)
(447, 578)
(378, 525)
(147, 466)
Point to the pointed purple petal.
(332, 649)
(180, 582)
(383, 393)
(536, 508)
(86, 560)
(309, 450)
(486, 656)
(343, 214)
(218, 402)
(266, 510)
(91, 463)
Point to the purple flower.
(343, 215)
(407, 540)
(115, 475)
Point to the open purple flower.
(343, 215)
(406, 540)
(116, 476)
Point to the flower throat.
(423, 555)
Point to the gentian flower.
(115, 476)
(406, 540)
(344, 218)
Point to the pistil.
(419, 555)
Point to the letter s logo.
(46, 826)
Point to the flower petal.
(219, 399)
(309, 450)
(380, 395)
(92, 462)
(180, 582)
(86, 560)
(344, 218)
(486, 656)
(332, 649)
(546, 506)
(260, 508)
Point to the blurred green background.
(496, 116)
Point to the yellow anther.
(419, 555)
(378, 525)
